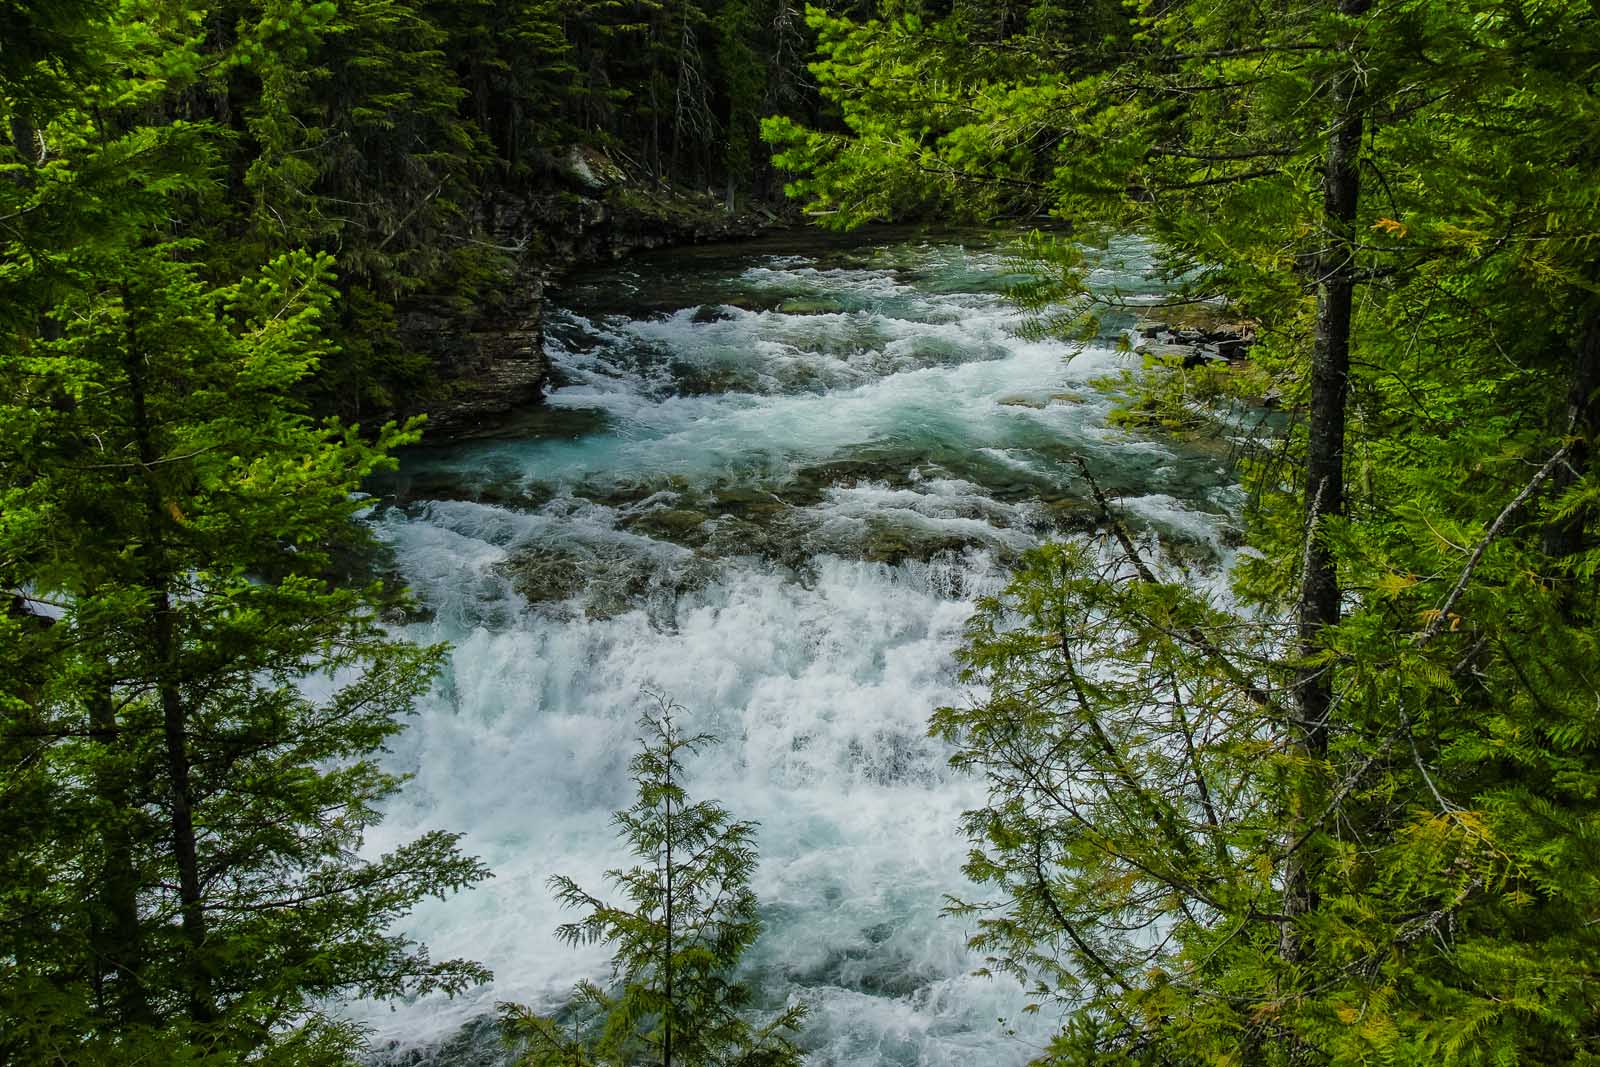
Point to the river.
(770, 481)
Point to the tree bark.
(1318, 606)
(666, 1043)
(1563, 538)
(174, 716)
(23, 138)
(117, 938)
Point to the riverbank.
(580, 208)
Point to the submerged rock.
(1017, 401)
(819, 305)
(602, 585)
(709, 313)
(695, 379)
(748, 500)
(682, 526)
(545, 575)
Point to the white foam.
(820, 682)
(940, 508)
(1172, 515)
(821, 694)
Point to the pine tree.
(688, 914)
(196, 702)
(1328, 826)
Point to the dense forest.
(1348, 819)
(392, 135)
(1348, 814)
(212, 215)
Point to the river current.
(769, 483)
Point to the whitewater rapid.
(770, 485)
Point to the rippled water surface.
(769, 482)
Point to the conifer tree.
(1329, 827)
(192, 707)
(686, 917)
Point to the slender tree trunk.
(24, 138)
(666, 1036)
(174, 718)
(117, 942)
(1318, 606)
(1330, 386)
(184, 844)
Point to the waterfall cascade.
(770, 485)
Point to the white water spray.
(782, 518)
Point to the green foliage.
(941, 115)
(1400, 876)
(1130, 733)
(687, 915)
(216, 220)
(1126, 736)
(396, 135)
(193, 703)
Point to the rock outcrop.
(1193, 344)
(579, 208)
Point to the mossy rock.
(889, 543)
(683, 526)
(679, 519)
(546, 575)
(1022, 402)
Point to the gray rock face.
(580, 208)
(589, 170)
(1191, 346)
(493, 365)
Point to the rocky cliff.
(579, 208)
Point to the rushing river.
(769, 483)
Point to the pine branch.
(1193, 635)
(1489, 537)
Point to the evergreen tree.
(687, 916)
(191, 724)
(1329, 826)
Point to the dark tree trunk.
(1330, 387)
(666, 1035)
(24, 138)
(174, 717)
(117, 936)
(1580, 420)
(1318, 606)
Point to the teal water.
(770, 482)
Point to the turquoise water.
(770, 482)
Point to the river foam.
(791, 480)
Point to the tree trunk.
(666, 1034)
(1563, 538)
(24, 138)
(184, 844)
(117, 938)
(1318, 606)
(174, 718)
